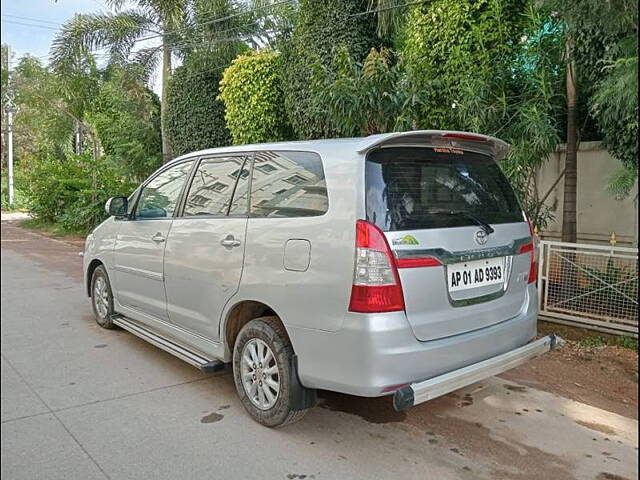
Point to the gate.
(592, 286)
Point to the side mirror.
(117, 206)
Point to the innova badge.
(481, 237)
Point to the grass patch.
(593, 342)
(49, 228)
(627, 341)
(596, 341)
(19, 198)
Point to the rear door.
(457, 229)
(205, 250)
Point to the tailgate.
(435, 308)
(456, 208)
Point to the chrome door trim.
(446, 257)
(138, 271)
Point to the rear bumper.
(420, 392)
(373, 355)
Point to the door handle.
(158, 238)
(230, 242)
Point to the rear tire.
(102, 298)
(262, 372)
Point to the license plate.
(476, 273)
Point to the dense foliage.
(72, 191)
(251, 90)
(520, 100)
(374, 96)
(447, 44)
(126, 117)
(321, 29)
(605, 39)
(119, 122)
(310, 69)
(501, 77)
(41, 126)
(195, 115)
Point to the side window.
(288, 184)
(160, 196)
(213, 186)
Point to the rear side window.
(214, 184)
(421, 188)
(288, 184)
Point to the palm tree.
(118, 32)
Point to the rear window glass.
(288, 184)
(420, 188)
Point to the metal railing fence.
(593, 286)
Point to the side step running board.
(207, 365)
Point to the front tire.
(102, 298)
(262, 372)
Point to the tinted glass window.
(288, 184)
(160, 196)
(213, 186)
(418, 188)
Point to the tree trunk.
(569, 220)
(167, 154)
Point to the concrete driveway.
(79, 402)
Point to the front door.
(141, 240)
(205, 250)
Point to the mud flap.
(300, 398)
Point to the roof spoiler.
(485, 144)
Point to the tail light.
(531, 247)
(376, 283)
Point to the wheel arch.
(95, 263)
(239, 315)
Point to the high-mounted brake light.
(465, 136)
(376, 283)
(531, 247)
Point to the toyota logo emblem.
(480, 237)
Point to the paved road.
(79, 402)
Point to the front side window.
(293, 185)
(213, 186)
(420, 188)
(160, 196)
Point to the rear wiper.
(488, 229)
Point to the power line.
(31, 19)
(215, 20)
(29, 24)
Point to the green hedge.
(195, 115)
(447, 44)
(321, 29)
(251, 90)
(62, 191)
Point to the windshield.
(419, 188)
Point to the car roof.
(447, 138)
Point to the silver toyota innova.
(398, 264)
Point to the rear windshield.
(419, 188)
